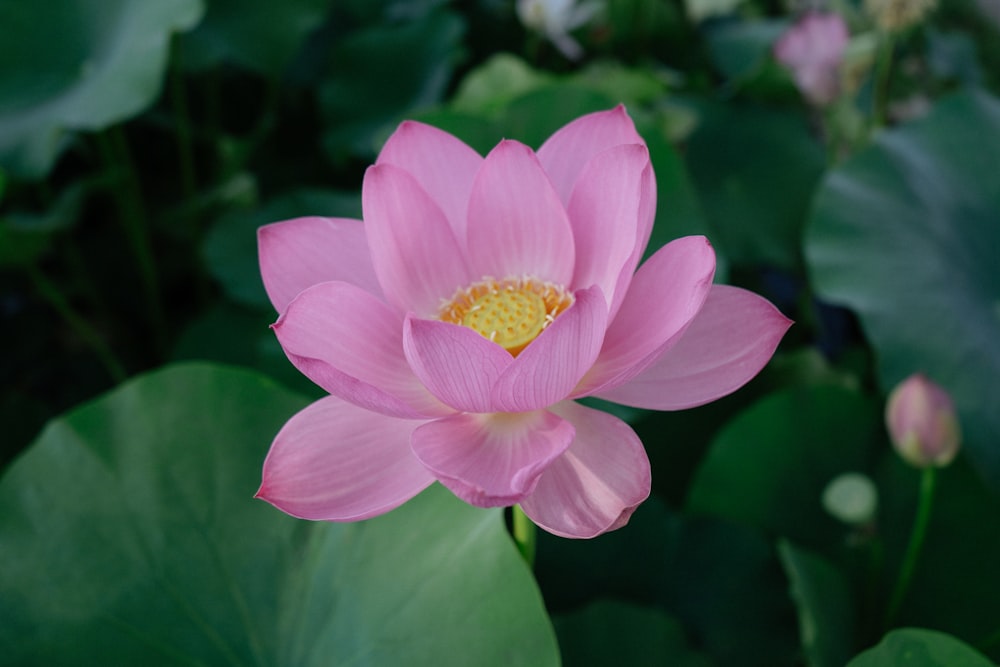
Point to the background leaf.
(381, 73)
(720, 581)
(822, 594)
(609, 632)
(768, 466)
(913, 647)
(907, 235)
(261, 35)
(69, 67)
(130, 536)
(956, 585)
(755, 170)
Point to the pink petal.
(491, 460)
(442, 164)
(664, 298)
(455, 363)
(647, 214)
(551, 366)
(597, 483)
(351, 344)
(566, 152)
(605, 210)
(517, 225)
(417, 258)
(731, 339)
(334, 461)
(298, 253)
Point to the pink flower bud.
(922, 422)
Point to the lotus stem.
(913, 549)
(524, 535)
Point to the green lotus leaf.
(130, 536)
(76, 65)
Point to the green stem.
(524, 534)
(132, 215)
(870, 605)
(76, 322)
(533, 48)
(82, 280)
(880, 86)
(261, 130)
(917, 535)
(182, 123)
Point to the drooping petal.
(351, 344)
(597, 483)
(550, 367)
(296, 254)
(517, 225)
(604, 212)
(455, 363)
(491, 460)
(663, 299)
(565, 153)
(443, 165)
(334, 461)
(731, 339)
(417, 258)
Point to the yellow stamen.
(510, 312)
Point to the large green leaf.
(907, 234)
(769, 466)
(76, 65)
(130, 536)
(913, 647)
(261, 35)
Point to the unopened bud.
(922, 422)
(851, 498)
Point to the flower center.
(510, 312)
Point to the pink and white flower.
(455, 327)
(812, 49)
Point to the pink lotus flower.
(455, 326)
(813, 49)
